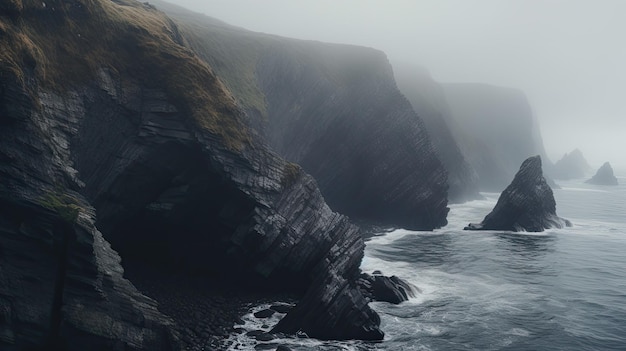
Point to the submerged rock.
(604, 176)
(527, 204)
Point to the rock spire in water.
(527, 204)
(604, 176)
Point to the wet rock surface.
(527, 204)
(378, 287)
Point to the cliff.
(428, 100)
(571, 165)
(113, 131)
(496, 130)
(604, 176)
(336, 111)
(527, 204)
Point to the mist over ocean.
(562, 289)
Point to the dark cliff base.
(206, 311)
(127, 126)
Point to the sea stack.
(572, 165)
(604, 176)
(527, 204)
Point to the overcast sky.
(568, 56)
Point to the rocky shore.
(145, 157)
(206, 313)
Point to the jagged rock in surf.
(392, 289)
(527, 204)
(604, 176)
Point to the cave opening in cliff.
(171, 213)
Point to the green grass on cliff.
(64, 44)
(231, 51)
(66, 206)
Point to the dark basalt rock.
(388, 289)
(527, 204)
(604, 176)
(170, 184)
(264, 313)
(281, 307)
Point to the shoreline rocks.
(378, 287)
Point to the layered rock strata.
(527, 204)
(336, 111)
(152, 143)
(604, 176)
(429, 101)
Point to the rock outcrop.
(336, 111)
(604, 176)
(527, 204)
(428, 100)
(572, 165)
(104, 111)
(378, 287)
(496, 130)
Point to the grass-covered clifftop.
(64, 43)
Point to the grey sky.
(568, 56)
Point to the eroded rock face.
(527, 204)
(336, 111)
(604, 176)
(429, 101)
(61, 284)
(166, 186)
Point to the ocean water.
(562, 289)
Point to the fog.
(568, 56)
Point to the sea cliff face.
(429, 101)
(336, 111)
(496, 129)
(137, 143)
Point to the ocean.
(562, 289)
